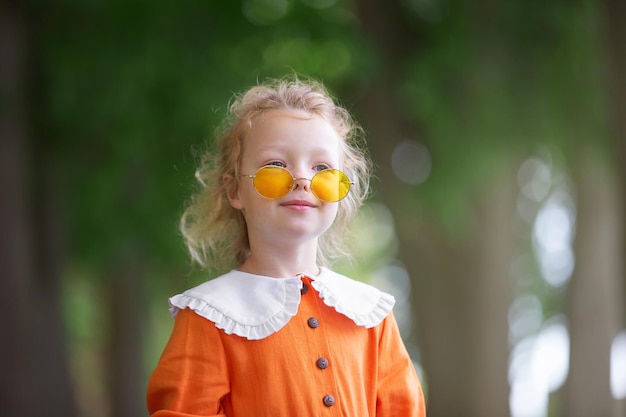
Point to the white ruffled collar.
(255, 306)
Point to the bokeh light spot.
(411, 162)
(534, 179)
(525, 316)
(553, 233)
(618, 366)
(539, 365)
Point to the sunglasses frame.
(293, 184)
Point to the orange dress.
(321, 346)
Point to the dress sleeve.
(399, 389)
(191, 378)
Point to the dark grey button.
(322, 363)
(329, 400)
(304, 289)
(313, 323)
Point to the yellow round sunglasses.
(329, 185)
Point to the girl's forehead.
(279, 125)
(299, 131)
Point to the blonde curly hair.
(215, 233)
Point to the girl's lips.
(298, 204)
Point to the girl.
(281, 335)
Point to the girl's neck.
(281, 263)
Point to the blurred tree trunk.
(127, 321)
(461, 288)
(50, 358)
(594, 291)
(35, 375)
(597, 296)
(463, 292)
(615, 13)
(15, 248)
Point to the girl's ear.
(232, 191)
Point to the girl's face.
(304, 145)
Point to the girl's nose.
(301, 183)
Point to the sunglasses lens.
(273, 182)
(330, 185)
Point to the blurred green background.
(498, 130)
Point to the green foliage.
(498, 82)
(132, 88)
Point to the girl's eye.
(321, 167)
(275, 164)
